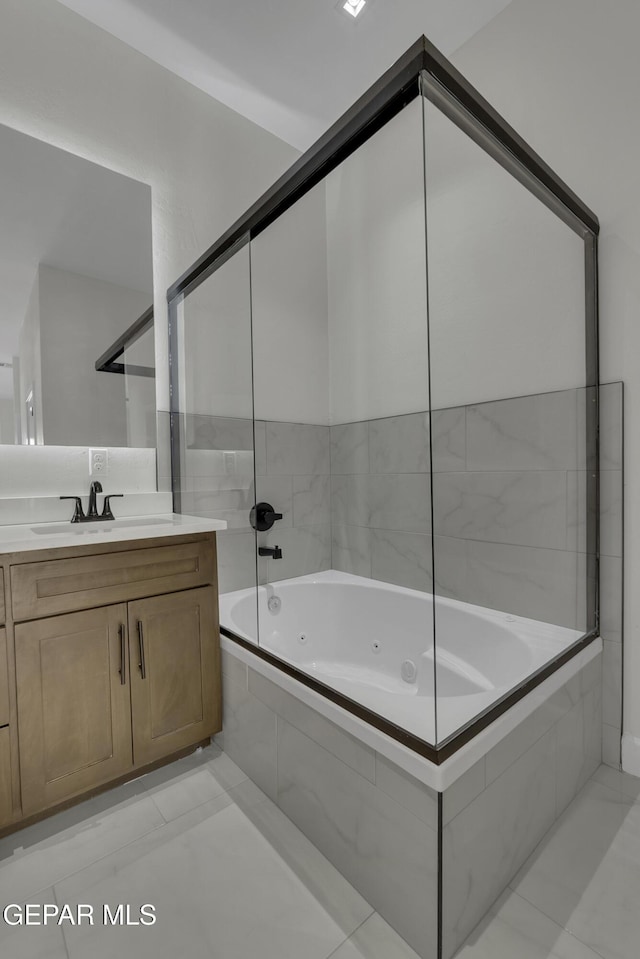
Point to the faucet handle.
(78, 513)
(106, 509)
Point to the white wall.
(69, 83)
(566, 74)
(506, 279)
(289, 307)
(376, 275)
(80, 317)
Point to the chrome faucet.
(92, 515)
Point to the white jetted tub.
(374, 643)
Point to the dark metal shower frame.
(107, 362)
(422, 70)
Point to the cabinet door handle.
(141, 664)
(123, 656)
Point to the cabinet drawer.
(4, 680)
(66, 585)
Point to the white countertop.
(32, 536)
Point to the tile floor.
(232, 878)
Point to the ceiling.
(291, 66)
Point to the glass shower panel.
(140, 389)
(508, 422)
(342, 403)
(212, 432)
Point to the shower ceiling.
(291, 66)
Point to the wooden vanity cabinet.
(74, 711)
(173, 665)
(6, 778)
(102, 692)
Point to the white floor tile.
(32, 941)
(220, 889)
(620, 782)
(39, 856)
(586, 874)
(375, 939)
(514, 929)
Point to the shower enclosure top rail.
(393, 91)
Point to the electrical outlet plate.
(98, 462)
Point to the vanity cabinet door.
(6, 797)
(74, 712)
(175, 672)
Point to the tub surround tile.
(399, 501)
(350, 504)
(296, 448)
(520, 508)
(350, 448)
(448, 440)
(342, 745)
(311, 500)
(389, 855)
(206, 432)
(319, 793)
(400, 444)
(570, 756)
(351, 549)
(524, 433)
(463, 791)
(233, 668)
(260, 448)
(526, 581)
(398, 868)
(485, 843)
(451, 557)
(402, 558)
(408, 792)
(250, 735)
(236, 560)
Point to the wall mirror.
(76, 313)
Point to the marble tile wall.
(507, 478)
(375, 823)
(292, 473)
(497, 812)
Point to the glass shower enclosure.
(385, 379)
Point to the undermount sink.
(80, 529)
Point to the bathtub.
(374, 643)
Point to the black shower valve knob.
(263, 516)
